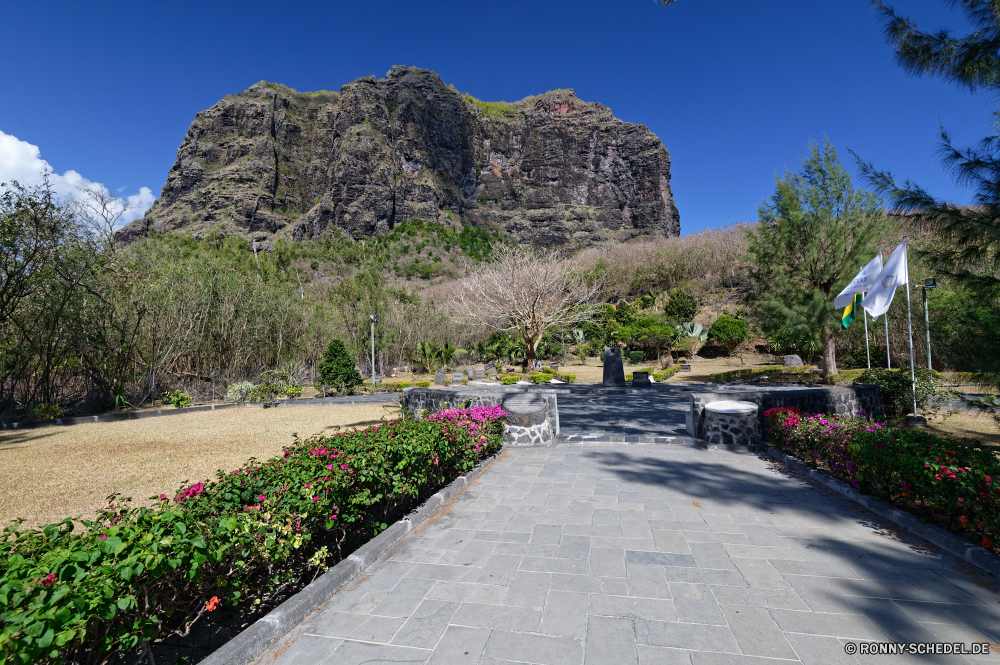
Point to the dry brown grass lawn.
(966, 425)
(56, 472)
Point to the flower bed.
(137, 574)
(947, 482)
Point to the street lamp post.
(374, 320)
(930, 283)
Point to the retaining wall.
(528, 432)
(835, 400)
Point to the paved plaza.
(628, 415)
(647, 554)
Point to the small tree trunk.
(829, 352)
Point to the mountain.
(550, 169)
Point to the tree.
(812, 237)
(31, 227)
(968, 244)
(681, 307)
(971, 253)
(526, 290)
(729, 332)
(337, 369)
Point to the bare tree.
(526, 290)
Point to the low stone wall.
(835, 400)
(523, 427)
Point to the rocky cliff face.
(550, 169)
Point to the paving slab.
(649, 554)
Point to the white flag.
(895, 273)
(863, 281)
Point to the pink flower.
(49, 579)
(260, 497)
(315, 499)
(343, 466)
(329, 467)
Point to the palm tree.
(448, 353)
(428, 355)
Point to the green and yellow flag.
(849, 311)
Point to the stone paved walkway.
(646, 554)
(651, 412)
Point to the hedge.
(133, 575)
(951, 483)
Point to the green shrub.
(510, 380)
(337, 369)
(568, 378)
(45, 412)
(681, 307)
(132, 574)
(398, 387)
(635, 357)
(897, 388)
(948, 482)
(423, 384)
(729, 332)
(665, 374)
(239, 392)
(177, 398)
(541, 377)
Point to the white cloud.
(21, 161)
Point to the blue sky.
(735, 90)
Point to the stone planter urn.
(732, 423)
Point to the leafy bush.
(45, 412)
(681, 307)
(135, 574)
(635, 357)
(239, 392)
(510, 380)
(397, 387)
(423, 384)
(177, 398)
(568, 378)
(729, 332)
(273, 384)
(337, 369)
(947, 482)
(541, 377)
(897, 388)
(665, 374)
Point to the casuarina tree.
(967, 248)
(337, 369)
(812, 237)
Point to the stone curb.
(631, 438)
(946, 540)
(115, 417)
(263, 633)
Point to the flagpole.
(868, 350)
(888, 363)
(909, 315)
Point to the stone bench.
(732, 423)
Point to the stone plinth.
(614, 371)
(640, 379)
(732, 423)
(527, 420)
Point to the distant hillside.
(552, 169)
